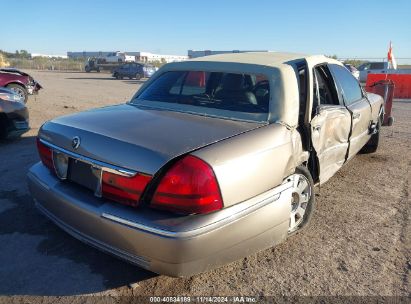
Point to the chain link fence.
(402, 62)
(50, 64)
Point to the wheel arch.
(16, 82)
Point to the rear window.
(244, 93)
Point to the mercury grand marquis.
(211, 160)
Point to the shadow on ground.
(130, 81)
(90, 78)
(37, 258)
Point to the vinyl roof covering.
(271, 59)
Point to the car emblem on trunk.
(75, 143)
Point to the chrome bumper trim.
(226, 217)
(101, 165)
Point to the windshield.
(219, 91)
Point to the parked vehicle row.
(15, 87)
(19, 82)
(121, 70)
(14, 116)
(379, 68)
(211, 160)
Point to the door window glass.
(349, 86)
(324, 87)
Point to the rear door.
(357, 104)
(330, 123)
(125, 70)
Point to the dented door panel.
(330, 134)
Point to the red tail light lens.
(123, 189)
(46, 154)
(189, 187)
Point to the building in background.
(85, 55)
(150, 57)
(33, 55)
(195, 54)
(139, 56)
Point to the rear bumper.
(177, 246)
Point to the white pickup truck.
(119, 57)
(378, 68)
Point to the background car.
(353, 70)
(20, 82)
(14, 116)
(134, 70)
(118, 57)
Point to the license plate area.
(84, 174)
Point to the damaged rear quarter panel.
(254, 162)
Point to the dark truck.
(100, 64)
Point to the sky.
(345, 28)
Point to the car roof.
(284, 102)
(270, 59)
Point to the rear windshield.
(241, 93)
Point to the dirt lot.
(359, 242)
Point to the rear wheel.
(138, 76)
(19, 90)
(302, 200)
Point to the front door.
(357, 104)
(330, 123)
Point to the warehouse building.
(139, 56)
(195, 54)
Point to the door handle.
(356, 116)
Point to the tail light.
(46, 154)
(123, 189)
(189, 187)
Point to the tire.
(302, 201)
(20, 90)
(372, 145)
(138, 76)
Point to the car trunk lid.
(139, 139)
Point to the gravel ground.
(358, 243)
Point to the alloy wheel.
(19, 92)
(299, 201)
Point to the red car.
(19, 82)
